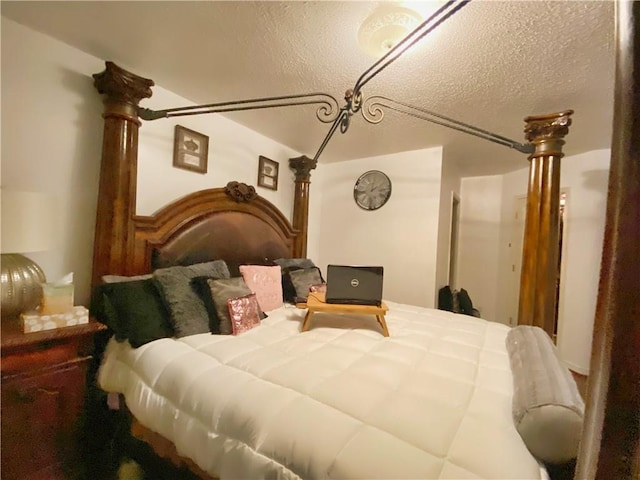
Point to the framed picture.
(190, 150)
(268, 173)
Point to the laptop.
(356, 285)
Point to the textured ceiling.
(490, 65)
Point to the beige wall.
(52, 142)
(401, 236)
(488, 204)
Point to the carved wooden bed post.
(114, 237)
(302, 167)
(537, 302)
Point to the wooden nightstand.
(43, 394)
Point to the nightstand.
(43, 394)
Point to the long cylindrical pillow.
(547, 407)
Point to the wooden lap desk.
(315, 303)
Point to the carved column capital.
(546, 132)
(121, 85)
(302, 167)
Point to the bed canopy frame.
(128, 244)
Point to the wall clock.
(372, 190)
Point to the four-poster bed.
(126, 244)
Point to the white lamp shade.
(27, 221)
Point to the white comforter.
(340, 401)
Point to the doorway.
(453, 239)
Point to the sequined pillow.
(244, 313)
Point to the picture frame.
(268, 173)
(190, 150)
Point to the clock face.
(372, 190)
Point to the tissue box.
(57, 298)
(37, 322)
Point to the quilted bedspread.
(432, 401)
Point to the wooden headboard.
(232, 223)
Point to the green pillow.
(135, 311)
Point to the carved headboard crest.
(240, 192)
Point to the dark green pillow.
(135, 311)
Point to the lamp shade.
(27, 221)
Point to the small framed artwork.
(190, 150)
(268, 173)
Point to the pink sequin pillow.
(244, 313)
(266, 282)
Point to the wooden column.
(610, 445)
(540, 250)
(302, 167)
(118, 172)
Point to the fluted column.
(118, 171)
(537, 302)
(302, 167)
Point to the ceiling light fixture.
(329, 110)
(385, 28)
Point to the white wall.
(233, 155)
(401, 236)
(484, 267)
(480, 228)
(52, 142)
(585, 178)
(450, 184)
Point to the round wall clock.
(372, 190)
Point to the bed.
(294, 413)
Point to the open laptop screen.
(357, 285)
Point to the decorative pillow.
(288, 290)
(302, 280)
(318, 288)
(294, 262)
(135, 311)
(188, 313)
(221, 291)
(266, 283)
(201, 287)
(123, 278)
(244, 313)
(547, 407)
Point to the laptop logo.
(355, 282)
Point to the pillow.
(135, 311)
(288, 290)
(244, 313)
(122, 278)
(201, 287)
(266, 283)
(221, 291)
(547, 407)
(294, 262)
(318, 288)
(302, 280)
(187, 310)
